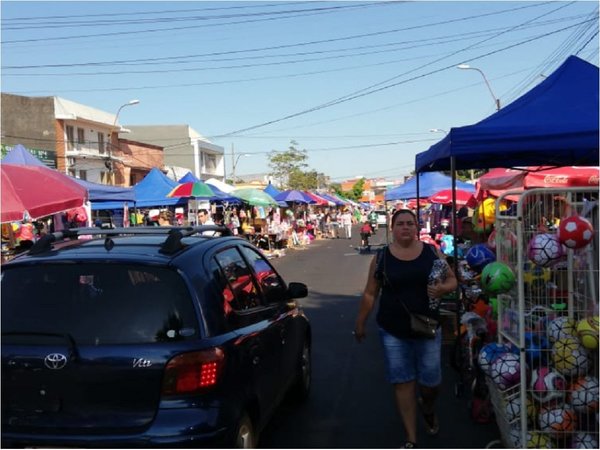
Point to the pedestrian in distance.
(400, 277)
(346, 222)
(204, 219)
(365, 233)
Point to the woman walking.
(401, 273)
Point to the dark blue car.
(147, 337)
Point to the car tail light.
(193, 372)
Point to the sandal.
(432, 423)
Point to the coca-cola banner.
(568, 176)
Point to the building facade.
(81, 141)
(183, 147)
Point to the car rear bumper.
(172, 428)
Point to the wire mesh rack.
(551, 317)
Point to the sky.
(359, 85)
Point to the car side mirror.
(297, 290)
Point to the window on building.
(83, 174)
(211, 162)
(101, 146)
(72, 173)
(70, 137)
(80, 138)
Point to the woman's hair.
(165, 215)
(403, 211)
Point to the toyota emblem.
(55, 361)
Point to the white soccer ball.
(584, 440)
(506, 371)
(545, 250)
(547, 385)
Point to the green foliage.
(288, 170)
(303, 181)
(357, 189)
(285, 165)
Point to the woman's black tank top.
(406, 280)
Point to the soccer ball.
(544, 250)
(535, 278)
(584, 393)
(506, 371)
(570, 358)
(497, 278)
(560, 328)
(584, 440)
(587, 330)
(558, 421)
(536, 346)
(479, 255)
(575, 232)
(489, 353)
(538, 440)
(547, 385)
(534, 439)
(513, 408)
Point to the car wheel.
(301, 388)
(245, 435)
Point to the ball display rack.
(550, 316)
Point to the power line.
(312, 11)
(369, 90)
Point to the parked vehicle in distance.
(382, 218)
(147, 336)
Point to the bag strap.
(381, 260)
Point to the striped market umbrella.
(254, 197)
(195, 189)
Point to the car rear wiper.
(73, 353)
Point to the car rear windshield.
(96, 304)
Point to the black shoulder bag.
(421, 326)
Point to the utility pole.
(232, 165)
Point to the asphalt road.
(351, 404)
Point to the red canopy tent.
(39, 190)
(320, 201)
(445, 197)
(499, 180)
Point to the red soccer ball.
(575, 232)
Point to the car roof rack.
(171, 244)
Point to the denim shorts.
(412, 359)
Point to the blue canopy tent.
(189, 177)
(271, 190)
(20, 155)
(103, 196)
(153, 190)
(430, 183)
(330, 198)
(293, 196)
(555, 123)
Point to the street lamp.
(234, 164)
(468, 67)
(109, 163)
(129, 103)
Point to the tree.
(357, 189)
(286, 165)
(304, 181)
